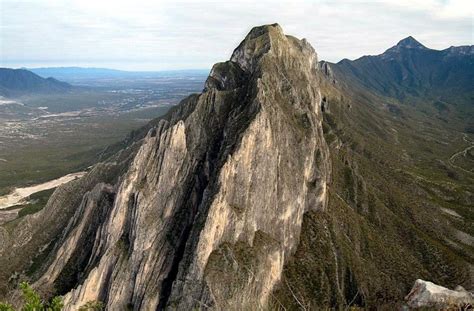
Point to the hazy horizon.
(101, 68)
(168, 35)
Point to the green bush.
(33, 302)
(92, 306)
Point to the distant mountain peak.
(410, 43)
(16, 82)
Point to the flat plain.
(43, 137)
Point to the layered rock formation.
(26, 243)
(212, 205)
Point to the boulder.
(427, 294)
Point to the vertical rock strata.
(212, 205)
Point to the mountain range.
(286, 184)
(409, 68)
(73, 74)
(439, 83)
(15, 82)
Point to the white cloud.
(447, 9)
(150, 35)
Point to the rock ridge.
(220, 184)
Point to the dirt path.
(18, 195)
(462, 152)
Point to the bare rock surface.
(219, 185)
(429, 295)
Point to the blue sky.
(162, 35)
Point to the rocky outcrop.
(211, 207)
(26, 244)
(425, 294)
(326, 70)
(80, 241)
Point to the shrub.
(33, 301)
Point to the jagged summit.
(255, 45)
(410, 43)
(272, 29)
(262, 49)
(270, 38)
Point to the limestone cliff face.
(25, 244)
(211, 207)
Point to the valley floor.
(44, 138)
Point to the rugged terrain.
(400, 203)
(285, 184)
(44, 136)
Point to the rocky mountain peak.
(192, 196)
(269, 39)
(407, 44)
(410, 43)
(263, 49)
(255, 45)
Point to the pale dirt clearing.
(18, 195)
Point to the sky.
(167, 35)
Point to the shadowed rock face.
(212, 204)
(26, 243)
